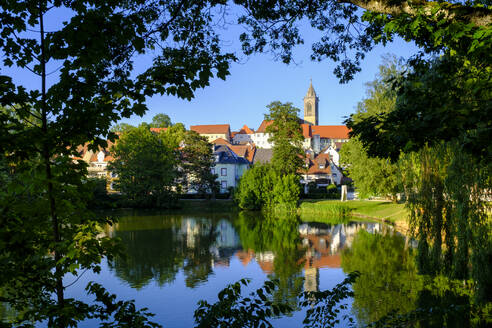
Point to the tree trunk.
(47, 157)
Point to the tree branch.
(478, 16)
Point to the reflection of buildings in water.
(222, 256)
(323, 244)
(226, 235)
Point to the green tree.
(121, 127)
(88, 51)
(262, 187)
(349, 29)
(286, 136)
(146, 166)
(160, 121)
(375, 176)
(197, 161)
(371, 176)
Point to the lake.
(174, 260)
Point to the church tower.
(311, 106)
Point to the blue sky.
(254, 82)
(252, 85)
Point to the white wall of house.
(261, 140)
(229, 174)
(336, 173)
(334, 155)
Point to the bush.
(262, 187)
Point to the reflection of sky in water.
(221, 249)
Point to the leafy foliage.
(233, 310)
(146, 165)
(263, 187)
(197, 161)
(160, 121)
(89, 56)
(286, 137)
(445, 99)
(346, 34)
(374, 176)
(446, 188)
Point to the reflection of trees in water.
(388, 280)
(198, 265)
(165, 245)
(275, 240)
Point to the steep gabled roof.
(263, 126)
(246, 151)
(227, 156)
(211, 129)
(320, 159)
(246, 130)
(221, 141)
(331, 131)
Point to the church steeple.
(311, 92)
(311, 106)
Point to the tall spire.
(311, 92)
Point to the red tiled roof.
(263, 126)
(211, 129)
(221, 141)
(246, 151)
(234, 133)
(246, 130)
(331, 131)
(306, 130)
(314, 163)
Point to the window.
(223, 184)
(321, 166)
(223, 171)
(114, 175)
(212, 170)
(334, 174)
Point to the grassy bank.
(379, 210)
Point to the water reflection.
(158, 247)
(388, 280)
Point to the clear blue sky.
(243, 96)
(254, 83)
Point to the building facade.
(213, 131)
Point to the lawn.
(381, 210)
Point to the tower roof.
(311, 92)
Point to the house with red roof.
(213, 131)
(242, 136)
(320, 169)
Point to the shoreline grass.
(379, 210)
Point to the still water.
(173, 261)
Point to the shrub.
(262, 187)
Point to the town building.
(245, 135)
(228, 166)
(213, 131)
